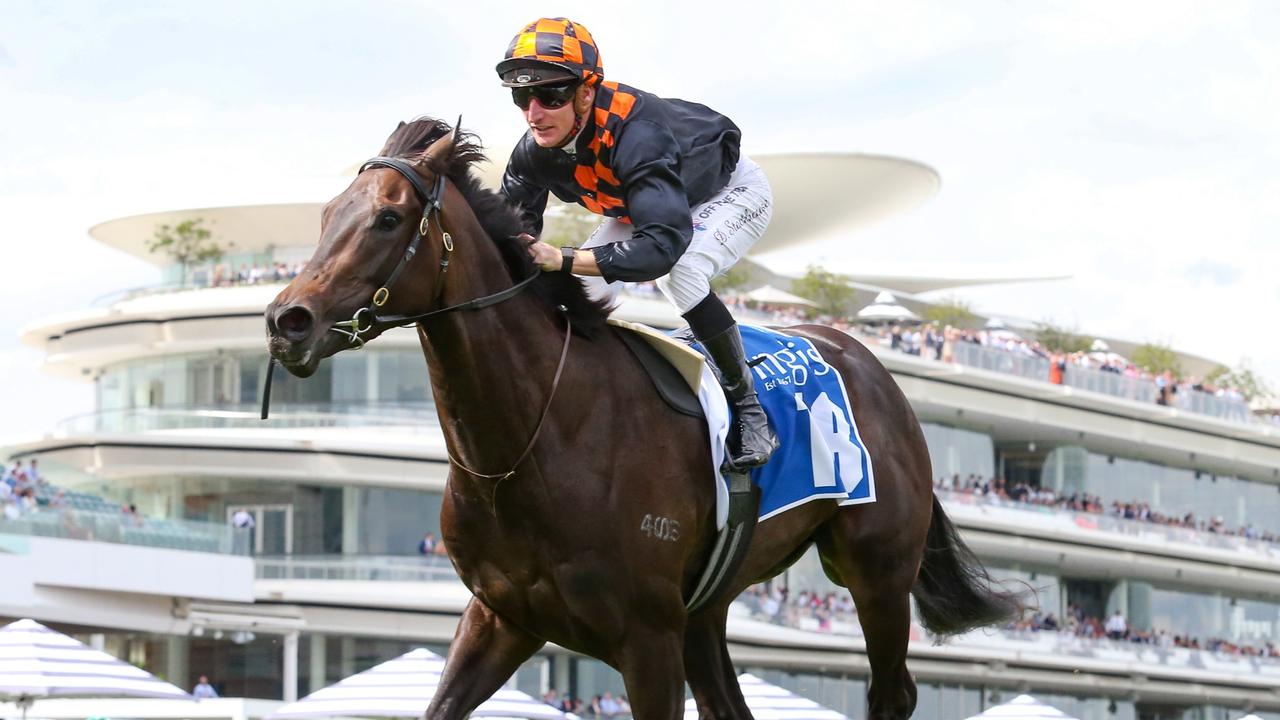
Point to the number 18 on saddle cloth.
(820, 455)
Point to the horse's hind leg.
(485, 652)
(879, 569)
(710, 670)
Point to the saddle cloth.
(820, 456)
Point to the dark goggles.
(548, 96)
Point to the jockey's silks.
(641, 159)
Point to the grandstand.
(1088, 490)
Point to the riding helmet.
(551, 50)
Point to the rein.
(354, 331)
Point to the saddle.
(675, 369)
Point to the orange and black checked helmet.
(551, 50)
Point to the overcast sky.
(1131, 145)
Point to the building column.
(319, 660)
(177, 669)
(350, 520)
(290, 673)
(347, 658)
(560, 673)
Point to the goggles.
(548, 96)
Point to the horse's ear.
(440, 151)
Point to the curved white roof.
(816, 196)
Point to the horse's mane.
(501, 222)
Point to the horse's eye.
(388, 221)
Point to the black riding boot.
(751, 441)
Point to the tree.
(832, 294)
(954, 312)
(1156, 358)
(1242, 378)
(1059, 339)
(186, 243)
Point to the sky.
(1133, 146)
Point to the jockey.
(681, 204)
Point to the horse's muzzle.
(292, 338)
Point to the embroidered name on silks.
(601, 190)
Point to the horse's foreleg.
(653, 670)
(710, 670)
(486, 650)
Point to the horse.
(562, 454)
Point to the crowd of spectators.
(779, 606)
(19, 486)
(1117, 629)
(928, 341)
(997, 489)
(24, 490)
(224, 275)
(940, 342)
(601, 706)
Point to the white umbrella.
(37, 662)
(1023, 707)
(403, 687)
(770, 702)
(774, 296)
(886, 309)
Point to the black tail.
(954, 593)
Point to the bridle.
(353, 329)
(432, 202)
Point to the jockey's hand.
(546, 256)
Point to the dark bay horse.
(562, 455)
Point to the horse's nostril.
(295, 323)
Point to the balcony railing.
(365, 568)
(1105, 523)
(1001, 361)
(965, 353)
(412, 417)
(72, 524)
(1044, 643)
(1107, 383)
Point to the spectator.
(608, 706)
(27, 501)
(11, 511)
(243, 519)
(428, 544)
(203, 690)
(1116, 627)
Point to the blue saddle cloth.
(820, 455)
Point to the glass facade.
(956, 451)
(1203, 616)
(1172, 491)
(296, 519)
(377, 381)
